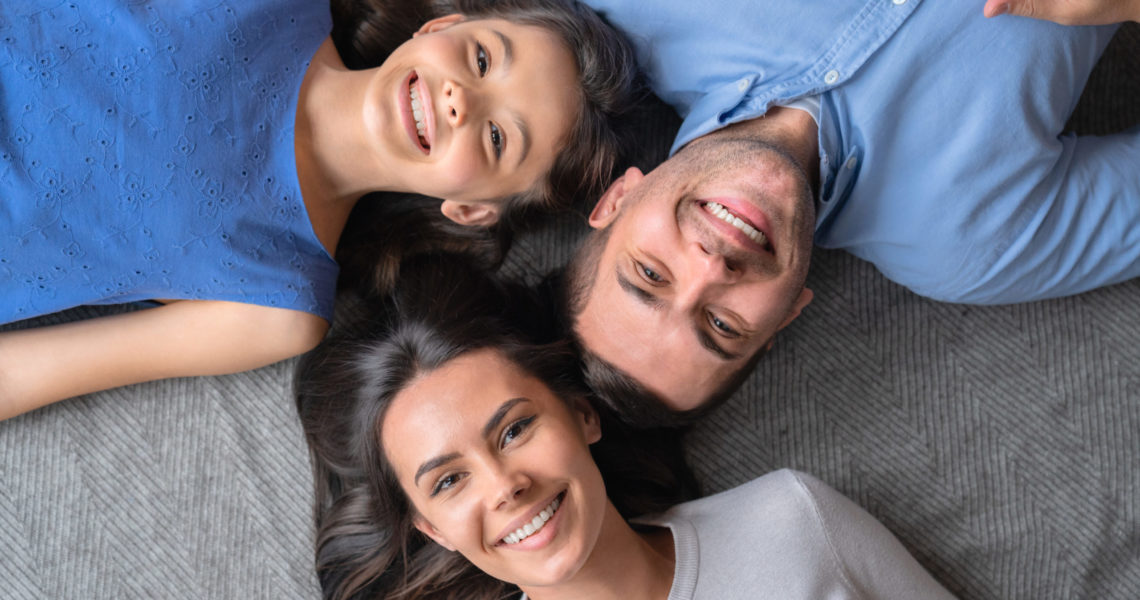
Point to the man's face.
(705, 260)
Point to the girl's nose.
(455, 102)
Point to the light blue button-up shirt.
(941, 158)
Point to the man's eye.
(445, 483)
(496, 140)
(481, 59)
(649, 273)
(514, 430)
(722, 326)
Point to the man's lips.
(740, 220)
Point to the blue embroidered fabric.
(146, 152)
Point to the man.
(917, 135)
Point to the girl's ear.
(588, 419)
(429, 530)
(439, 24)
(473, 214)
(609, 206)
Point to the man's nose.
(707, 267)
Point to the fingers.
(995, 8)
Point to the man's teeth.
(722, 213)
(535, 524)
(418, 111)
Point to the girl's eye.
(722, 326)
(496, 140)
(649, 273)
(445, 483)
(481, 59)
(514, 430)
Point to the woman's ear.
(472, 214)
(588, 419)
(429, 530)
(609, 205)
(439, 24)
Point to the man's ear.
(472, 214)
(429, 530)
(588, 419)
(439, 24)
(805, 298)
(609, 205)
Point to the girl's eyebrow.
(508, 56)
(433, 464)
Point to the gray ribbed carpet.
(1001, 444)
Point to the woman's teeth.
(535, 524)
(722, 213)
(418, 112)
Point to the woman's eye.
(649, 273)
(722, 326)
(445, 483)
(481, 59)
(514, 430)
(496, 140)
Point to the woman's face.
(498, 468)
(471, 110)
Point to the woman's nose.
(509, 486)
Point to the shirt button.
(831, 77)
(899, 2)
(851, 162)
(742, 84)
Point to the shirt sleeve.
(875, 563)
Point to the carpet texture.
(1000, 444)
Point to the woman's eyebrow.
(433, 464)
(500, 413)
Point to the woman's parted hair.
(367, 546)
(610, 90)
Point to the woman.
(207, 156)
(453, 461)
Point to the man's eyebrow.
(642, 296)
(710, 344)
(490, 426)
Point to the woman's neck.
(332, 165)
(625, 565)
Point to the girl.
(453, 461)
(208, 155)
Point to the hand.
(1068, 12)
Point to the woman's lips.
(542, 536)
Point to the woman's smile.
(535, 532)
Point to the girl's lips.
(404, 101)
(540, 538)
(749, 213)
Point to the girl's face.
(498, 468)
(472, 110)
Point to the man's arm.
(45, 364)
(1068, 12)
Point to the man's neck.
(792, 130)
